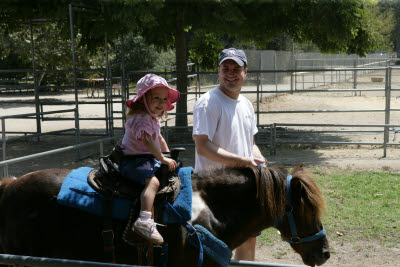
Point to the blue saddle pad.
(77, 193)
(183, 202)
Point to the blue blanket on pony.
(77, 193)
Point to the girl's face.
(157, 100)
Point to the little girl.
(142, 137)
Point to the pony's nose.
(326, 254)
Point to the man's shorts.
(138, 169)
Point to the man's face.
(231, 77)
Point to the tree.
(390, 10)
(10, 58)
(384, 22)
(51, 51)
(134, 52)
(332, 25)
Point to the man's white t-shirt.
(228, 123)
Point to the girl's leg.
(144, 225)
(149, 193)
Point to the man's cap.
(235, 54)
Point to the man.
(224, 127)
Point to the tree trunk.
(181, 68)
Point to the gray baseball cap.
(235, 54)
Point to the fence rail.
(5, 163)
(19, 261)
(259, 84)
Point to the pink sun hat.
(150, 81)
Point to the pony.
(232, 203)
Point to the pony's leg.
(181, 253)
(175, 245)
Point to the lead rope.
(192, 231)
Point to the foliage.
(334, 26)
(156, 20)
(384, 23)
(10, 58)
(204, 49)
(134, 52)
(279, 43)
(51, 51)
(391, 9)
(165, 58)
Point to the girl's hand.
(170, 163)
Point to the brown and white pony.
(231, 203)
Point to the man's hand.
(254, 162)
(261, 161)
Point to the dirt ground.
(328, 157)
(355, 254)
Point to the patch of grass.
(360, 205)
(269, 237)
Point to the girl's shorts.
(138, 169)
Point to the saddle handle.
(175, 152)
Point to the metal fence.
(100, 142)
(20, 261)
(274, 78)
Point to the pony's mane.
(271, 183)
(312, 194)
(271, 187)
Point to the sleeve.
(254, 129)
(206, 115)
(140, 127)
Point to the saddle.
(108, 181)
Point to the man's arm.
(215, 153)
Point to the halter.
(295, 238)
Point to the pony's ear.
(298, 168)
